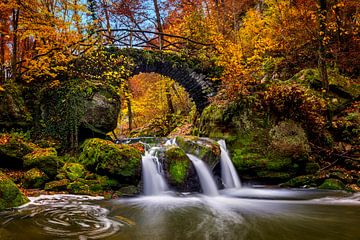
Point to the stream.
(247, 214)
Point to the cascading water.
(207, 181)
(154, 182)
(228, 173)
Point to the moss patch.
(34, 178)
(10, 195)
(333, 184)
(178, 164)
(45, 159)
(206, 149)
(13, 149)
(105, 157)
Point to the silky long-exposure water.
(248, 214)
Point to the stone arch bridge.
(162, 53)
(191, 74)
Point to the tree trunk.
(15, 22)
(322, 45)
(158, 22)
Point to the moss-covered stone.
(93, 187)
(126, 191)
(288, 139)
(60, 185)
(105, 157)
(301, 181)
(206, 149)
(333, 184)
(12, 150)
(177, 164)
(45, 159)
(10, 195)
(311, 167)
(13, 112)
(34, 178)
(72, 171)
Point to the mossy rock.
(93, 187)
(10, 195)
(34, 178)
(12, 150)
(60, 185)
(311, 167)
(13, 112)
(301, 181)
(105, 157)
(45, 159)
(178, 165)
(127, 191)
(288, 139)
(333, 184)
(72, 171)
(204, 148)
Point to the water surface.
(248, 214)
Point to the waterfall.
(207, 181)
(154, 182)
(228, 173)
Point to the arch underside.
(196, 84)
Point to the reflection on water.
(251, 214)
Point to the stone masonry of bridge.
(198, 84)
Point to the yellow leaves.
(1, 89)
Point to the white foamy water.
(153, 179)
(207, 181)
(229, 175)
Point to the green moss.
(34, 178)
(106, 157)
(93, 187)
(288, 139)
(13, 149)
(312, 167)
(60, 185)
(45, 159)
(178, 164)
(10, 195)
(72, 171)
(333, 184)
(206, 149)
(127, 191)
(301, 181)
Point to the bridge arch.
(185, 72)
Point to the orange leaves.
(295, 102)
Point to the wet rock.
(204, 148)
(333, 184)
(106, 158)
(60, 185)
(72, 171)
(34, 178)
(12, 150)
(10, 195)
(45, 159)
(179, 171)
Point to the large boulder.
(119, 160)
(45, 159)
(13, 112)
(179, 170)
(12, 150)
(101, 112)
(34, 178)
(204, 148)
(10, 195)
